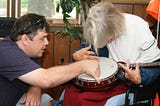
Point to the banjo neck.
(151, 64)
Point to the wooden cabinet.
(58, 49)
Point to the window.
(24, 6)
(59, 15)
(16, 8)
(3, 8)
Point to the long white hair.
(103, 21)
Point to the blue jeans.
(118, 100)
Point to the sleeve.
(147, 45)
(146, 39)
(148, 75)
(15, 63)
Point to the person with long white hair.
(122, 37)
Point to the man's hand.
(83, 54)
(32, 97)
(92, 68)
(132, 74)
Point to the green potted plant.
(67, 6)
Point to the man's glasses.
(40, 23)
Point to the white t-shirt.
(136, 44)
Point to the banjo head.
(108, 71)
(108, 67)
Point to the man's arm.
(54, 76)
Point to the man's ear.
(24, 39)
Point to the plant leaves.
(67, 7)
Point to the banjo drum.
(108, 71)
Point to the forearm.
(54, 76)
(61, 74)
(51, 77)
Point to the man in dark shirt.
(20, 74)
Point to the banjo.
(109, 74)
(109, 69)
